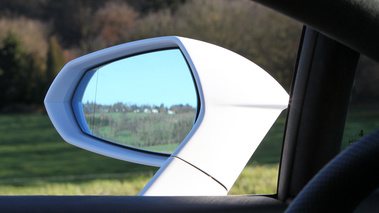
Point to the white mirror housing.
(239, 102)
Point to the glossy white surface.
(184, 180)
(240, 102)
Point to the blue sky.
(151, 78)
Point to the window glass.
(363, 115)
(260, 176)
(34, 158)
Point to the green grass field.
(131, 184)
(36, 161)
(359, 123)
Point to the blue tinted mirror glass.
(147, 101)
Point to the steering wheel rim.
(344, 182)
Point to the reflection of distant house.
(170, 112)
(87, 109)
(154, 111)
(146, 110)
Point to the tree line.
(38, 37)
(94, 108)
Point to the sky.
(155, 78)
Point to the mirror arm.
(239, 104)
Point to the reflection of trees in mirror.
(153, 128)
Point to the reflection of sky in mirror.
(151, 78)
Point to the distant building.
(170, 112)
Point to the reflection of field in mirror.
(152, 128)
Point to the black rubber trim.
(114, 204)
(318, 108)
(354, 23)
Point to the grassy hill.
(35, 160)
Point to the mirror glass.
(146, 101)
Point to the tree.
(110, 23)
(71, 19)
(241, 26)
(162, 109)
(30, 32)
(55, 60)
(19, 72)
(149, 6)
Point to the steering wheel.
(344, 182)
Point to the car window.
(363, 114)
(35, 160)
(260, 176)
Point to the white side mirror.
(237, 103)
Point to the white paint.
(239, 104)
(184, 180)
